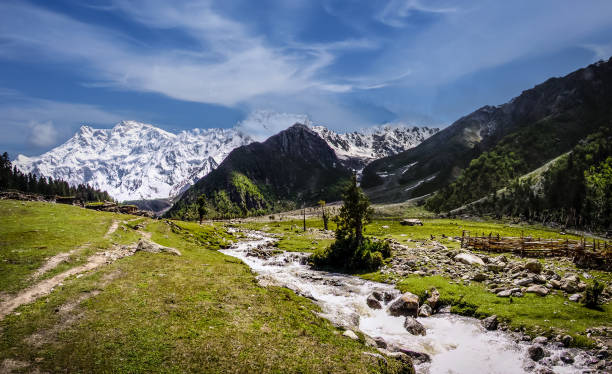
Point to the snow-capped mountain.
(134, 160)
(357, 149)
(137, 161)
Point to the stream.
(454, 343)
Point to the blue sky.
(346, 64)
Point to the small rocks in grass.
(350, 334)
(575, 297)
(414, 327)
(538, 290)
(534, 266)
(535, 352)
(490, 323)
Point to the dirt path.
(54, 261)
(46, 286)
(113, 227)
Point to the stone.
(555, 284)
(535, 352)
(490, 323)
(149, 246)
(419, 357)
(405, 305)
(495, 267)
(414, 327)
(434, 299)
(534, 266)
(566, 357)
(411, 222)
(538, 290)
(542, 340)
(469, 259)
(524, 281)
(370, 342)
(380, 342)
(425, 311)
(350, 334)
(480, 277)
(388, 296)
(373, 302)
(504, 293)
(575, 297)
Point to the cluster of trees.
(352, 251)
(13, 179)
(575, 191)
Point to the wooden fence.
(587, 253)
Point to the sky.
(347, 64)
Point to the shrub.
(592, 293)
(349, 255)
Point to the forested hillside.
(11, 178)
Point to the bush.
(592, 293)
(348, 255)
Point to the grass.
(291, 235)
(200, 312)
(533, 314)
(30, 232)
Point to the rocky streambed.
(396, 324)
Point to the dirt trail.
(54, 261)
(46, 286)
(113, 227)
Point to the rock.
(388, 296)
(377, 295)
(350, 334)
(417, 356)
(535, 352)
(370, 342)
(445, 310)
(425, 311)
(524, 281)
(538, 290)
(373, 302)
(555, 284)
(495, 267)
(566, 357)
(534, 266)
(380, 342)
(469, 259)
(414, 327)
(434, 299)
(406, 305)
(582, 286)
(504, 293)
(490, 323)
(149, 246)
(542, 340)
(480, 277)
(567, 340)
(411, 222)
(575, 297)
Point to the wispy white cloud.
(230, 65)
(42, 134)
(397, 12)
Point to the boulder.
(373, 302)
(434, 299)
(419, 357)
(490, 323)
(542, 340)
(535, 352)
(495, 267)
(534, 266)
(575, 297)
(566, 340)
(524, 281)
(566, 357)
(504, 293)
(538, 290)
(148, 246)
(388, 296)
(405, 305)
(425, 311)
(350, 334)
(469, 259)
(380, 342)
(569, 286)
(480, 277)
(555, 284)
(414, 327)
(411, 222)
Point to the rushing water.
(455, 344)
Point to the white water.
(455, 344)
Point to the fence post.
(462, 237)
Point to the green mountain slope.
(292, 167)
(489, 147)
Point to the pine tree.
(354, 214)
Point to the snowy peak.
(135, 160)
(358, 148)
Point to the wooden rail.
(586, 253)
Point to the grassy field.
(200, 312)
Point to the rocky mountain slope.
(292, 167)
(135, 160)
(358, 148)
(540, 124)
